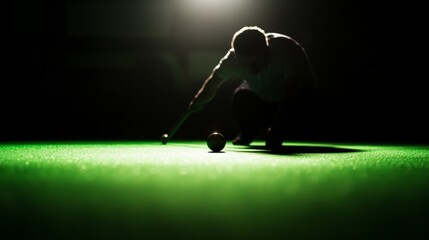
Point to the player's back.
(283, 46)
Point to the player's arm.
(207, 92)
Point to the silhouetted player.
(274, 69)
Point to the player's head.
(250, 47)
(249, 40)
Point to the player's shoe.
(273, 141)
(273, 144)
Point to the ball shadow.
(290, 150)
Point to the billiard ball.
(164, 138)
(216, 142)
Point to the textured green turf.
(181, 190)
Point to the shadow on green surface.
(290, 150)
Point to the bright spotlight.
(219, 9)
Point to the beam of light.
(214, 5)
(203, 11)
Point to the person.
(274, 69)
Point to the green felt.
(182, 190)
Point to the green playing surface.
(126, 190)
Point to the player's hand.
(195, 106)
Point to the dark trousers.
(253, 115)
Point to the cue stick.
(166, 137)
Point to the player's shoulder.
(228, 59)
(281, 41)
(227, 65)
(228, 56)
(277, 36)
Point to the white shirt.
(286, 59)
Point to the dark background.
(126, 70)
